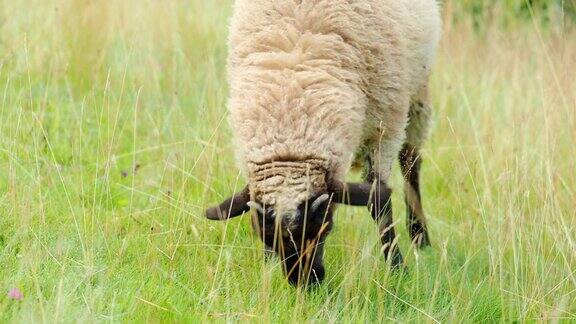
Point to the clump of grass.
(114, 140)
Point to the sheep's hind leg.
(410, 164)
(381, 212)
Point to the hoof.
(421, 240)
(396, 260)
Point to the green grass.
(114, 139)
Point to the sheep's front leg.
(381, 211)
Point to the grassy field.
(114, 139)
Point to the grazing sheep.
(314, 86)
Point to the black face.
(298, 239)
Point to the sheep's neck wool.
(285, 185)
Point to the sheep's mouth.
(297, 239)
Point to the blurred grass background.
(114, 139)
(554, 13)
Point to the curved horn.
(319, 201)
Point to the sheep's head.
(296, 234)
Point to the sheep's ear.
(353, 194)
(231, 207)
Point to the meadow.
(114, 139)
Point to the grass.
(114, 139)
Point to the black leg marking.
(381, 211)
(410, 163)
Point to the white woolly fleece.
(313, 81)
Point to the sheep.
(317, 86)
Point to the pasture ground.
(113, 139)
